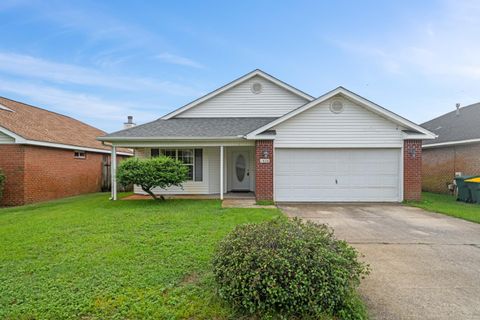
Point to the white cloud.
(445, 45)
(110, 113)
(28, 66)
(178, 60)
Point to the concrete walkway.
(244, 203)
(424, 265)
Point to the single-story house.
(45, 155)
(259, 134)
(456, 151)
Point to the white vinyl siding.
(337, 175)
(354, 127)
(4, 139)
(214, 171)
(211, 171)
(240, 101)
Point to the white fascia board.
(234, 83)
(184, 144)
(417, 136)
(450, 143)
(356, 98)
(262, 137)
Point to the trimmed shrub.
(2, 183)
(162, 172)
(289, 268)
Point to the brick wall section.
(12, 165)
(52, 173)
(37, 173)
(264, 171)
(412, 170)
(440, 164)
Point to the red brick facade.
(264, 171)
(439, 165)
(39, 173)
(412, 170)
(12, 164)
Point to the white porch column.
(221, 172)
(113, 167)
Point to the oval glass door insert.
(240, 167)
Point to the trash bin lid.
(476, 180)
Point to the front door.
(241, 171)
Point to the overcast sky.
(100, 61)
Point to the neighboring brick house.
(455, 151)
(46, 155)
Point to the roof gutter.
(113, 139)
(21, 140)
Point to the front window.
(186, 156)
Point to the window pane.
(190, 172)
(185, 156)
(154, 153)
(79, 154)
(172, 153)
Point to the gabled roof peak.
(354, 97)
(256, 72)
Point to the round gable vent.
(256, 87)
(336, 106)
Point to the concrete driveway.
(424, 265)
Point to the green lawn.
(90, 258)
(447, 204)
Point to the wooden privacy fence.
(107, 176)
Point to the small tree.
(2, 183)
(162, 172)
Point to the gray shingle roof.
(192, 127)
(452, 127)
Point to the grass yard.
(447, 204)
(90, 258)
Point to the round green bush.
(288, 268)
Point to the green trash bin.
(463, 191)
(474, 186)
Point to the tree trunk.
(147, 190)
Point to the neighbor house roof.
(178, 128)
(453, 128)
(33, 125)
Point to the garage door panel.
(337, 175)
(372, 181)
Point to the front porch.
(240, 169)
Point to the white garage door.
(337, 175)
